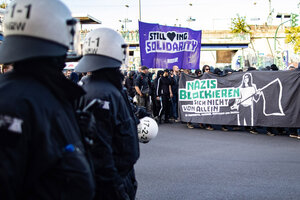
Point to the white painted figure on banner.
(250, 95)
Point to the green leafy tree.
(3, 5)
(239, 25)
(293, 37)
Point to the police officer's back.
(114, 166)
(41, 152)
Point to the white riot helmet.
(147, 129)
(37, 28)
(102, 48)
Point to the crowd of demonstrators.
(158, 93)
(164, 97)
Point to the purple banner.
(166, 46)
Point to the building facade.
(222, 48)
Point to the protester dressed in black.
(156, 101)
(129, 84)
(143, 87)
(174, 85)
(164, 93)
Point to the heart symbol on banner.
(171, 35)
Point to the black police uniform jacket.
(41, 151)
(117, 125)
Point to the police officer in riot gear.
(104, 51)
(41, 150)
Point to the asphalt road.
(195, 164)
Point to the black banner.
(257, 98)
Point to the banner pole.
(140, 12)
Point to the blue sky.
(208, 14)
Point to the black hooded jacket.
(129, 84)
(41, 151)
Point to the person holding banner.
(206, 69)
(198, 72)
(175, 85)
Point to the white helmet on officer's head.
(102, 48)
(37, 28)
(147, 129)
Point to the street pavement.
(196, 164)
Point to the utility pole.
(140, 11)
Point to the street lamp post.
(275, 37)
(126, 20)
(190, 19)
